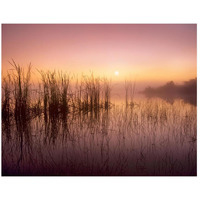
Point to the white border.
(103, 11)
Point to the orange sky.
(151, 53)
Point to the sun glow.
(116, 73)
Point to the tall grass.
(6, 97)
(64, 94)
(21, 92)
(129, 93)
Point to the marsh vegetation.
(69, 126)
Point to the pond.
(152, 137)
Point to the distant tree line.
(170, 88)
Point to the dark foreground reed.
(57, 93)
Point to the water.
(154, 137)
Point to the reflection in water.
(191, 99)
(18, 145)
(153, 138)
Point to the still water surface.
(153, 137)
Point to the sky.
(147, 53)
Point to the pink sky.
(151, 53)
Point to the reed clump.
(90, 93)
(19, 80)
(56, 97)
(56, 93)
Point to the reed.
(129, 93)
(6, 97)
(89, 93)
(21, 92)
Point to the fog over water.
(170, 91)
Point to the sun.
(116, 73)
